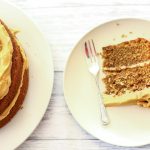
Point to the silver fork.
(93, 68)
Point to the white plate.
(130, 125)
(40, 78)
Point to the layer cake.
(13, 74)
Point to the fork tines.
(90, 50)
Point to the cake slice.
(126, 68)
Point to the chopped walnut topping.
(126, 53)
(131, 79)
(144, 101)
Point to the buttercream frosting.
(6, 50)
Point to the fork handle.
(104, 115)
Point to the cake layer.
(131, 79)
(126, 53)
(141, 98)
(19, 100)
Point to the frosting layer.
(127, 98)
(6, 50)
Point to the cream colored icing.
(131, 66)
(5, 61)
(125, 98)
(25, 66)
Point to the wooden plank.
(76, 3)
(72, 145)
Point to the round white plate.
(40, 78)
(130, 125)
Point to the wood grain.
(64, 22)
(76, 3)
(73, 145)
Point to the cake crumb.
(117, 24)
(15, 31)
(114, 39)
(124, 36)
(130, 32)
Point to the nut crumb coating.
(126, 53)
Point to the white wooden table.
(64, 22)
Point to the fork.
(93, 68)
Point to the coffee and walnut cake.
(126, 67)
(13, 74)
